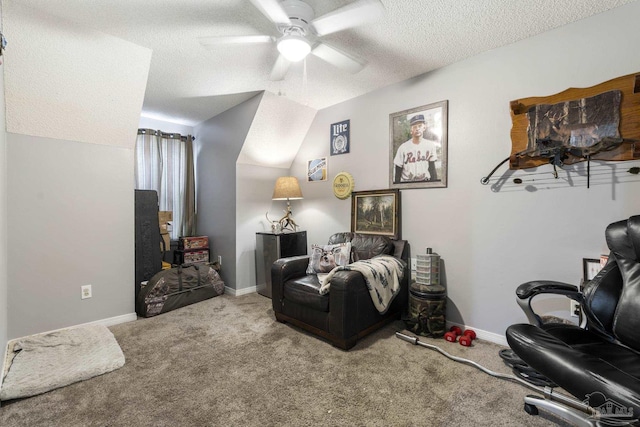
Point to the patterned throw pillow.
(325, 258)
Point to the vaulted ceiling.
(189, 83)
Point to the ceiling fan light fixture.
(294, 47)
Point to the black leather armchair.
(346, 313)
(598, 362)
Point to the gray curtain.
(164, 162)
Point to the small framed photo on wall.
(339, 139)
(317, 170)
(590, 268)
(418, 147)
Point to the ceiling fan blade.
(338, 58)
(354, 14)
(215, 41)
(272, 10)
(279, 69)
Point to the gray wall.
(3, 224)
(217, 145)
(277, 131)
(490, 241)
(69, 185)
(70, 215)
(253, 201)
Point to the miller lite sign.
(340, 138)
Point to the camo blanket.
(382, 274)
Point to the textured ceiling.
(189, 83)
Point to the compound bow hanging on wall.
(601, 122)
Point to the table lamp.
(287, 188)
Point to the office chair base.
(577, 412)
(571, 415)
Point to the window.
(164, 162)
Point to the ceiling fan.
(300, 30)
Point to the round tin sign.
(343, 185)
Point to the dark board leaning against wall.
(147, 236)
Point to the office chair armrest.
(528, 290)
(535, 287)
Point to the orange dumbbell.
(467, 337)
(452, 335)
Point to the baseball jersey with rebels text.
(414, 159)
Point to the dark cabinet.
(269, 248)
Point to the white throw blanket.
(382, 274)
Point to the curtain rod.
(165, 134)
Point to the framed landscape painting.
(376, 212)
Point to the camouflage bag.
(427, 310)
(177, 287)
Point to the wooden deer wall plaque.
(601, 122)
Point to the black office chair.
(599, 361)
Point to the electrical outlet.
(574, 309)
(85, 291)
(220, 260)
(413, 264)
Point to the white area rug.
(45, 362)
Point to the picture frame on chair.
(376, 212)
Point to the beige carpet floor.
(227, 362)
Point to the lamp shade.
(287, 188)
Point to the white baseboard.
(239, 292)
(124, 318)
(483, 335)
(106, 322)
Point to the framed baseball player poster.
(339, 140)
(418, 147)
